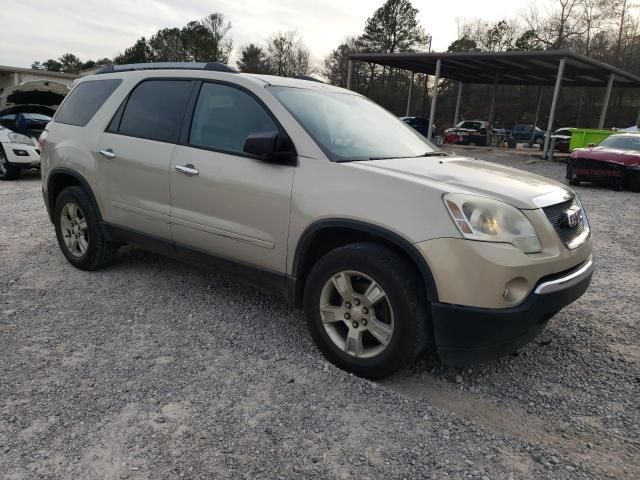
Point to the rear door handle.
(108, 153)
(187, 169)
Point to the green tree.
(464, 44)
(253, 59)
(167, 46)
(500, 37)
(70, 63)
(52, 65)
(139, 52)
(394, 27)
(528, 40)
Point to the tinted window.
(84, 101)
(155, 110)
(224, 116)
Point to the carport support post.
(554, 103)
(458, 100)
(605, 102)
(434, 97)
(535, 121)
(350, 69)
(413, 74)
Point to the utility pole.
(619, 51)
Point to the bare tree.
(288, 56)
(563, 20)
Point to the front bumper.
(468, 335)
(22, 155)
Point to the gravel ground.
(154, 369)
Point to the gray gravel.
(154, 369)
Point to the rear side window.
(224, 116)
(155, 110)
(84, 101)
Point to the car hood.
(37, 92)
(628, 158)
(519, 188)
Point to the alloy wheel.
(356, 314)
(74, 228)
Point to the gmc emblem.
(572, 217)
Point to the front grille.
(557, 214)
(589, 167)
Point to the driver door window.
(223, 118)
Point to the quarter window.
(224, 116)
(84, 101)
(155, 110)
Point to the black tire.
(7, 172)
(571, 178)
(405, 293)
(632, 180)
(99, 253)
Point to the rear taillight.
(42, 139)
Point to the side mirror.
(591, 145)
(272, 147)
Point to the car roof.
(201, 70)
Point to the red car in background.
(468, 132)
(615, 161)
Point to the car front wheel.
(366, 309)
(7, 172)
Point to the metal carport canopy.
(548, 67)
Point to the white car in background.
(17, 152)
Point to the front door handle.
(187, 169)
(108, 153)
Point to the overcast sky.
(41, 29)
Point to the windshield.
(36, 116)
(470, 125)
(622, 142)
(350, 127)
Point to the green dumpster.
(582, 137)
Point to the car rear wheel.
(78, 230)
(7, 172)
(366, 309)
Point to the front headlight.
(19, 138)
(485, 219)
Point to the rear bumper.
(468, 335)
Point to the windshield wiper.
(426, 154)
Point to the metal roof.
(512, 68)
(41, 73)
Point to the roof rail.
(307, 77)
(210, 66)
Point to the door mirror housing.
(591, 145)
(272, 147)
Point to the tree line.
(607, 30)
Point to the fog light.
(21, 153)
(515, 290)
